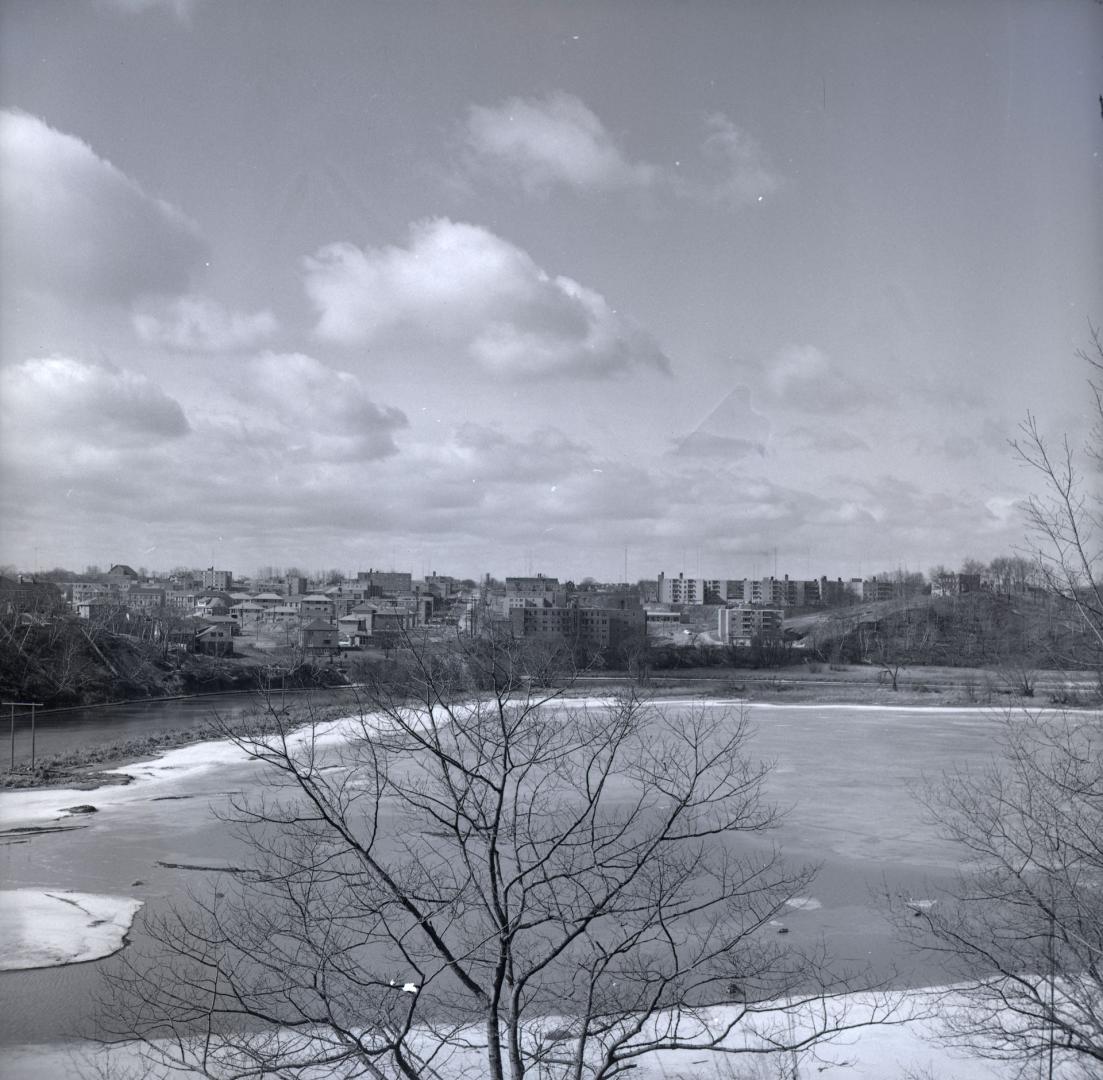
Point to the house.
(355, 628)
(215, 637)
(213, 604)
(96, 608)
(246, 611)
(319, 636)
(121, 576)
(313, 606)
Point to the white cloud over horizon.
(462, 285)
(299, 456)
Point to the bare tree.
(1023, 928)
(1066, 519)
(477, 877)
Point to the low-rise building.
(25, 593)
(214, 637)
(319, 636)
(145, 598)
(313, 606)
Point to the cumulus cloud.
(555, 140)
(199, 324)
(558, 141)
(59, 398)
(311, 409)
(462, 285)
(75, 226)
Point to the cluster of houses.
(205, 611)
(345, 614)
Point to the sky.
(589, 289)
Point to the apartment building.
(741, 625)
(683, 590)
(219, 580)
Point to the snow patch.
(48, 928)
(908, 1046)
(803, 903)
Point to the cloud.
(461, 285)
(77, 227)
(743, 175)
(804, 377)
(558, 141)
(488, 453)
(60, 399)
(307, 408)
(199, 324)
(182, 9)
(544, 142)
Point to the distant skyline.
(510, 287)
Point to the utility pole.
(32, 705)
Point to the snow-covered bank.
(35, 807)
(50, 927)
(881, 1052)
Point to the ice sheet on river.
(50, 927)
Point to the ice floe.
(51, 927)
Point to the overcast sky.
(517, 287)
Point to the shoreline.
(860, 688)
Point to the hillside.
(980, 629)
(62, 661)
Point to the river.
(60, 731)
(841, 773)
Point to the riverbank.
(89, 767)
(890, 1036)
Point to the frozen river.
(842, 773)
